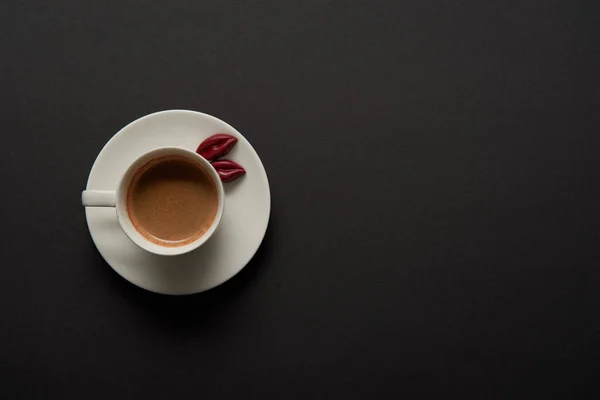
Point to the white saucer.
(244, 222)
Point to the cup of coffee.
(169, 201)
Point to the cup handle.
(98, 198)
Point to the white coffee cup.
(117, 199)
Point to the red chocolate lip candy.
(216, 146)
(228, 170)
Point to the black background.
(434, 172)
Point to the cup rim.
(121, 201)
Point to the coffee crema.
(172, 201)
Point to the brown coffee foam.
(172, 201)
